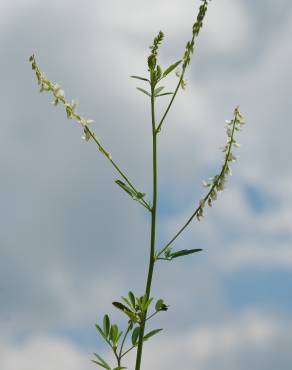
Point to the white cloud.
(46, 182)
(250, 255)
(43, 353)
(252, 334)
(228, 27)
(244, 340)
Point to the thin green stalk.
(153, 230)
(93, 136)
(123, 341)
(55, 89)
(170, 103)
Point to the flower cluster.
(152, 59)
(217, 183)
(196, 29)
(59, 97)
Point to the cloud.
(227, 36)
(251, 339)
(45, 352)
(71, 242)
(249, 255)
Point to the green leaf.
(132, 299)
(140, 78)
(101, 362)
(151, 333)
(119, 336)
(144, 304)
(143, 91)
(114, 332)
(126, 311)
(106, 325)
(184, 252)
(133, 194)
(119, 368)
(171, 68)
(167, 252)
(99, 329)
(159, 304)
(126, 188)
(158, 72)
(168, 93)
(127, 301)
(140, 195)
(135, 335)
(158, 90)
(120, 306)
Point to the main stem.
(153, 230)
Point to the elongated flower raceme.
(59, 98)
(186, 60)
(216, 183)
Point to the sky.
(71, 241)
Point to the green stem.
(153, 230)
(171, 101)
(117, 168)
(123, 341)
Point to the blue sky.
(71, 242)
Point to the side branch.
(59, 97)
(187, 56)
(217, 182)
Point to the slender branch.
(123, 341)
(59, 97)
(219, 180)
(171, 101)
(128, 350)
(117, 357)
(150, 317)
(187, 56)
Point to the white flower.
(206, 184)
